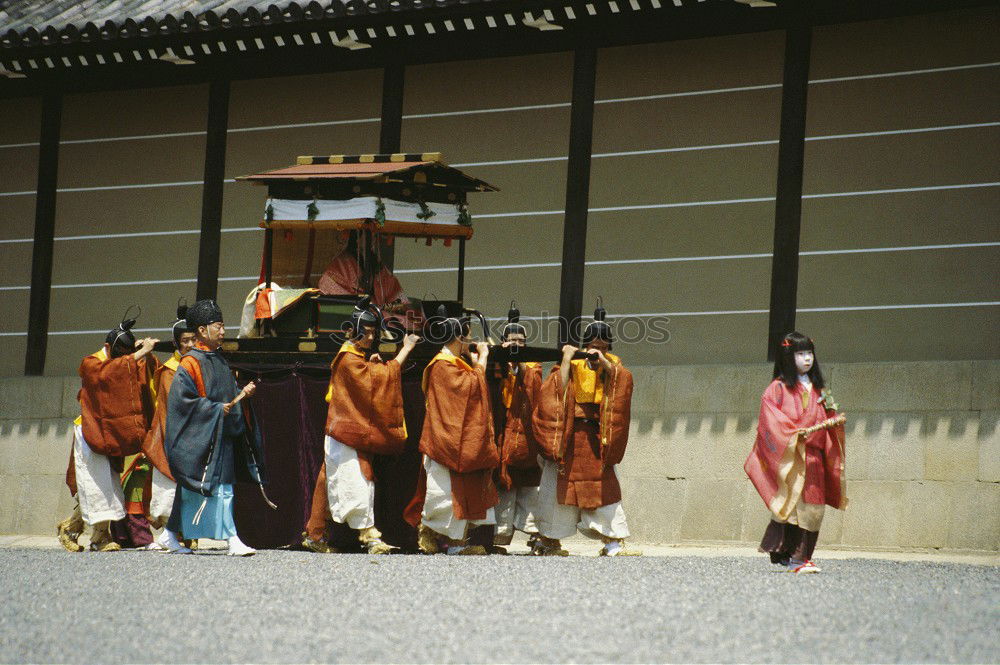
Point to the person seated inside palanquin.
(345, 275)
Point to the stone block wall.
(36, 418)
(923, 454)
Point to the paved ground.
(716, 606)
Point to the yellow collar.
(446, 355)
(350, 347)
(173, 362)
(346, 347)
(589, 382)
(509, 381)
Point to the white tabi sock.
(612, 547)
(168, 540)
(238, 548)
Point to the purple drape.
(396, 476)
(291, 414)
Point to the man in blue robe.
(209, 440)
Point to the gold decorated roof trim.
(308, 160)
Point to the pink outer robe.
(343, 275)
(786, 468)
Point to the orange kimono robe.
(117, 401)
(458, 433)
(512, 423)
(585, 430)
(366, 405)
(152, 444)
(366, 413)
(786, 468)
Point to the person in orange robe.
(365, 418)
(163, 483)
(457, 442)
(797, 461)
(513, 400)
(581, 423)
(116, 406)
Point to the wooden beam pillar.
(577, 194)
(788, 204)
(391, 132)
(461, 271)
(214, 181)
(44, 238)
(391, 128)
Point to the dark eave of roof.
(399, 167)
(240, 39)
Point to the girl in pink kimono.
(797, 461)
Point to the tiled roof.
(78, 41)
(19, 15)
(30, 23)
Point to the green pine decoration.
(464, 218)
(312, 210)
(269, 213)
(828, 402)
(425, 212)
(379, 212)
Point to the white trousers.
(99, 488)
(557, 521)
(516, 510)
(162, 500)
(351, 495)
(439, 514)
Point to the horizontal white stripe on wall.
(85, 332)
(563, 158)
(687, 259)
(537, 213)
(727, 146)
(509, 109)
(136, 234)
(145, 282)
(801, 310)
(555, 264)
(106, 188)
(760, 199)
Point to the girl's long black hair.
(784, 360)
